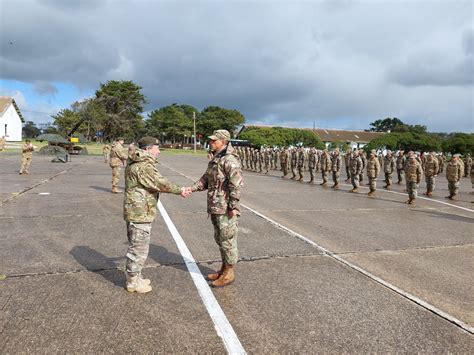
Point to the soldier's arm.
(201, 184)
(153, 181)
(235, 179)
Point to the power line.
(46, 113)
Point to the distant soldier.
(356, 168)
(373, 170)
(336, 162)
(247, 158)
(2, 143)
(117, 159)
(347, 164)
(454, 172)
(293, 162)
(325, 163)
(275, 157)
(400, 163)
(413, 173)
(430, 168)
(301, 162)
(363, 157)
(106, 152)
(26, 156)
(312, 157)
(284, 156)
(441, 161)
(472, 179)
(467, 164)
(259, 159)
(267, 157)
(389, 167)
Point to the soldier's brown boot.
(411, 202)
(226, 278)
(371, 193)
(115, 190)
(429, 194)
(216, 275)
(136, 284)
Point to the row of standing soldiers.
(409, 167)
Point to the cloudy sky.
(333, 64)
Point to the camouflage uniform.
(312, 158)
(300, 164)
(26, 156)
(389, 167)
(223, 180)
(363, 157)
(325, 163)
(454, 172)
(106, 152)
(284, 161)
(467, 164)
(347, 164)
(116, 161)
(413, 173)
(336, 162)
(275, 158)
(143, 183)
(267, 158)
(400, 163)
(2, 143)
(356, 168)
(373, 170)
(293, 162)
(247, 158)
(441, 161)
(430, 168)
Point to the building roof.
(5, 102)
(335, 135)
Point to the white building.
(11, 120)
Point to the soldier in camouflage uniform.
(356, 168)
(301, 162)
(275, 157)
(347, 165)
(389, 167)
(336, 162)
(284, 156)
(223, 180)
(247, 158)
(325, 163)
(400, 163)
(117, 159)
(467, 164)
(430, 168)
(267, 158)
(454, 172)
(251, 154)
(293, 162)
(106, 152)
(363, 157)
(26, 156)
(311, 163)
(143, 183)
(373, 170)
(2, 143)
(413, 173)
(441, 161)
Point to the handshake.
(186, 191)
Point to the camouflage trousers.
(430, 183)
(284, 168)
(106, 157)
(247, 165)
(225, 234)
(311, 172)
(116, 175)
(372, 183)
(348, 172)
(275, 163)
(138, 235)
(467, 169)
(355, 180)
(388, 179)
(259, 164)
(25, 164)
(412, 189)
(293, 170)
(335, 177)
(400, 174)
(324, 175)
(453, 187)
(266, 167)
(361, 177)
(301, 172)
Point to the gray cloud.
(339, 63)
(44, 88)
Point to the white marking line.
(411, 297)
(221, 323)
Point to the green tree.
(461, 143)
(65, 120)
(30, 130)
(123, 104)
(407, 141)
(214, 117)
(279, 136)
(385, 125)
(173, 122)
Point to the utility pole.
(194, 126)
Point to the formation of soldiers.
(409, 167)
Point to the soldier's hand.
(231, 213)
(186, 191)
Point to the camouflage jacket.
(413, 171)
(336, 161)
(284, 156)
(27, 150)
(117, 155)
(294, 157)
(356, 165)
(106, 149)
(454, 170)
(325, 162)
(223, 181)
(373, 167)
(388, 164)
(143, 183)
(430, 167)
(401, 162)
(301, 158)
(312, 159)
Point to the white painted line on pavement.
(221, 323)
(411, 297)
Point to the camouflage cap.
(220, 134)
(456, 155)
(120, 139)
(147, 141)
(373, 152)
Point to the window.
(6, 133)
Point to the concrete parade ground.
(320, 270)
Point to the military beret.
(220, 134)
(147, 141)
